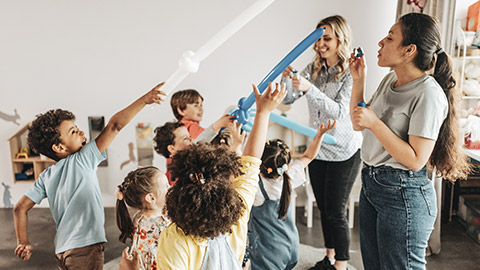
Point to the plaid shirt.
(329, 98)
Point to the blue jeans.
(397, 211)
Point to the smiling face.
(392, 52)
(182, 140)
(193, 111)
(327, 46)
(72, 139)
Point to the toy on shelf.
(23, 152)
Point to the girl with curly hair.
(210, 203)
(144, 190)
(273, 236)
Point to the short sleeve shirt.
(274, 187)
(73, 193)
(417, 108)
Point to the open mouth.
(84, 142)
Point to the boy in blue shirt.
(71, 185)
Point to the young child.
(187, 106)
(143, 189)
(273, 236)
(71, 185)
(209, 204)
(170, 138)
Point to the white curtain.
(442, 10)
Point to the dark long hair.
(276, 154)
(136, 185)
(423, 31)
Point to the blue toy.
(362, 104)
(244, 104)
(358, 52)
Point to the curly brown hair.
(43, 132)
(164, 137)
(210, 207)
(180, 99)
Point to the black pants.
(332, 182)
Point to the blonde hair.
(343, 33)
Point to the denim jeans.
(332, 182)
(397, 210)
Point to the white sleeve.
(297, 175)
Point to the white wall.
(95, 57)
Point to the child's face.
(163, 186)
(327, 45)
(193, 111)
(72, 139)
(182, 140)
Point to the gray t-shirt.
(417, 108)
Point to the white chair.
(309, 200)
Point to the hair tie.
(197, 177)
(439, 51)
(281, 170)
(118, 193)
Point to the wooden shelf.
(39, 164)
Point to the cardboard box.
(473, 16)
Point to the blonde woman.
(327, 85)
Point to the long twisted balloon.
(244, 105)
(190, 61)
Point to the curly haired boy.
(71, 185)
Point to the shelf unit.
(37, 163)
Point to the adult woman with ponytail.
(410, 121)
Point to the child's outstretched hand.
(270, 99)
(326, 127)
(24, 251)
(238, 136)
(222, 122)
(155, 95)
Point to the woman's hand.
(286, 73)
(299, 83)
(363, 118)
(358, 67)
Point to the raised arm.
(265, 104)
(20, 218)
(358, 70)
(314, 147)
(123, 117)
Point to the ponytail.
(447, 157)
(424, 31)
(124, 222)
(285, 197)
